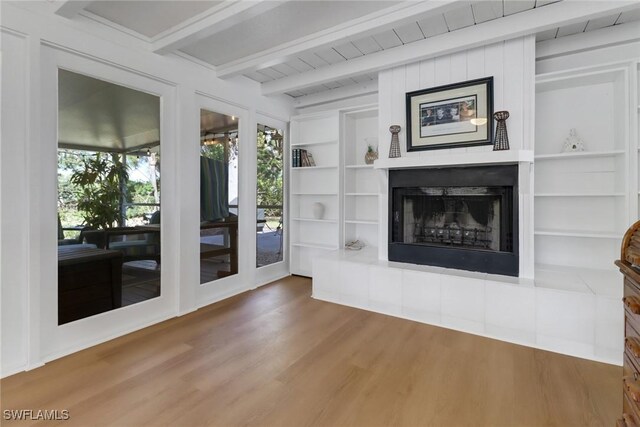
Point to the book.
(296, 157)
(310, 159)
(304, 158)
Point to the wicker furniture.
(89, 282)
(629, 264)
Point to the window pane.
(270, 175)
(108, 196)
(218, 196)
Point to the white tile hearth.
(570, 311)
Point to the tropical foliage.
(270, 173)
(82, 175)
(99, 183)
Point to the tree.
(270, 173)
(100, 192)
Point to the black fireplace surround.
(457, 217)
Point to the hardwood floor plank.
(276, 357)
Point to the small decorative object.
(371, 155)
(372, 150)
(457, 115)
(394, 150)
(354, 245)
(573, 142)
(502, 138)
(318, 210)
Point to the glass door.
(270, 196)
(219, 198)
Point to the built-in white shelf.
(362, 194)
(329, 221)
(313, 168)
(358, 166)
(579, 155)
(580, 194)
(313, 194)
(457, 159)
(315, 246)
(300, 144)
(580, 233)
(360, 221)
(318, 133)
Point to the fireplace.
(459, 217)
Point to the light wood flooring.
(275, 356)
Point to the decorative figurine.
(318, 210)
(573, 142)
(394, 150)
(501, 141)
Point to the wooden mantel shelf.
(431, 159)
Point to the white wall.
(32, 46)
(511, 63)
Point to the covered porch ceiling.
(96, 115)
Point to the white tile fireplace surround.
(566, 310)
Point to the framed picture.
(456, 115)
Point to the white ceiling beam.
(516, 25)
(70, 8)
(210, 22)
(366, 25)
(337, 94)
(603, 37)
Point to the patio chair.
(63, 241)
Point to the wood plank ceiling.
(224, 38)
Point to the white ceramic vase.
(318, 210)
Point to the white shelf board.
(362, 194)
(300, 144)
(313, 194)
(457, 159)
(579, 194)
(360, 221)
(312, 167)
(329, 221)
(578, 155)
(579, 233)
(314, 246)
(358, 166)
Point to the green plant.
(370, 149)
(100, 181)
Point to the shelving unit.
(582, 199)
(310, 236)
(360, 201)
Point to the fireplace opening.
(463, 218)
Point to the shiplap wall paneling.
(505, 61)
(512, 65)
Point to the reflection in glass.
(108, 196)
(269, 237)
(218, 196)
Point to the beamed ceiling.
(303, 47)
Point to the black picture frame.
(450, 116)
